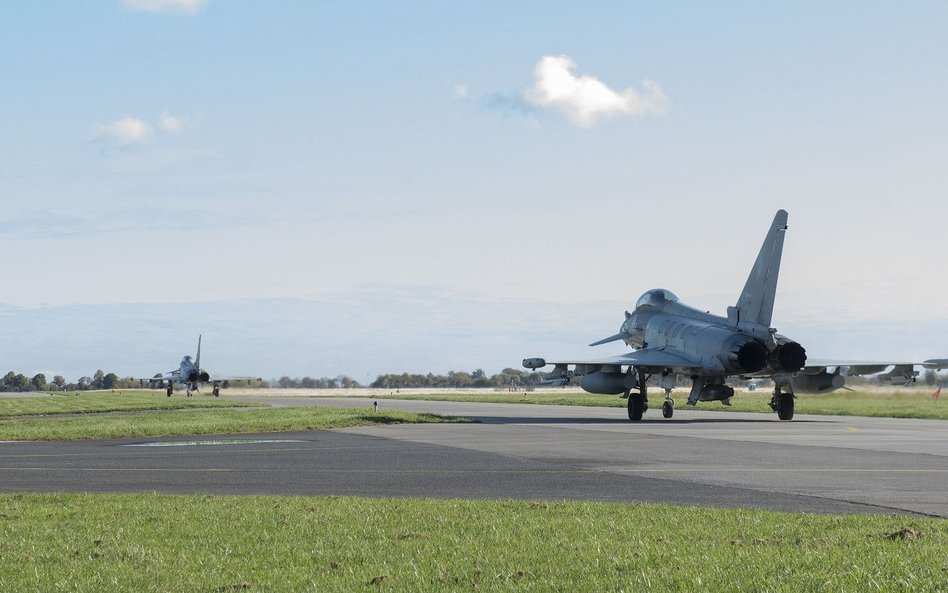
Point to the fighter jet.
(189, 373)
(670, 338)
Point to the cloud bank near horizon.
(188, 7)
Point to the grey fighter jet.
(190, 374)
(669, 338)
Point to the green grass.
(169, 423)
(915, 403)
(146, 542)
(82, 402)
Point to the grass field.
(137, 413)
(915, 403)
(143, 543)
(83, 402)
(185, 422)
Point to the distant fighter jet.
(670, 338)
(189, 373)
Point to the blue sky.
(329, 187)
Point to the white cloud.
(132, 130)
(171, 6)
(586, 99)
(172, 124)
(461, 91)
(121, 132)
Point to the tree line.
(14, 381)
(340, 382)
(100, 380)
(478, 378)
(508, 377)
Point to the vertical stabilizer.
(756, 303)
(197, 359)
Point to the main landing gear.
(638, 402)
(782, 403)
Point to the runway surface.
(814, 463)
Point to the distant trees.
(110, 381)
(478, 378)
(348, 382)
(14, 381)
(17, 382)
(102, 380)
(38, 381)
(341, 381)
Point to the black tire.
(637, 407)
(217, 392)
(170, 391)
(785, 407)
(668, 409)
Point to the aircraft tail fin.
(756, 303)
(197, 359)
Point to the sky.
(334, 187)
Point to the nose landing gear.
(667, 382)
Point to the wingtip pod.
(936, 364)
(534, 363)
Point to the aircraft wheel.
(217, 391)
(170, 391)
(785, 407)
(668, 408)
(637, 407)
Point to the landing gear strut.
(638, 402)
(667, 383)
(782, 403)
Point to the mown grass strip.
(170, 423)
(899, 404)
(69, 542)
(89, 402)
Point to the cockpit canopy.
(187, 360)
(655, 298)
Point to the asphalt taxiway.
(814, 463)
